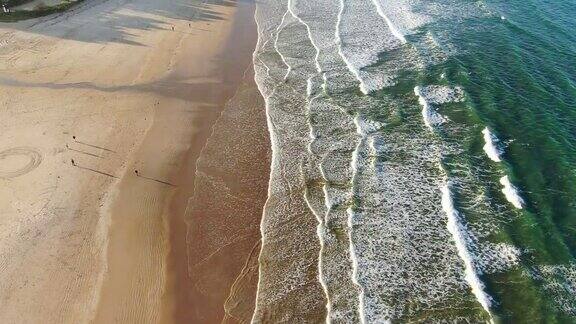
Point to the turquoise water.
(519, 74)
(434, 143)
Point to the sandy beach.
(92, 95)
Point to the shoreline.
(186, 302)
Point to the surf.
(491, 145)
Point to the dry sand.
(91, 241)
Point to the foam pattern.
(355, 229)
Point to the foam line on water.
(320, 226)
(391, 26)
(491, 146)
(273, 141)
(454, 223)
(278, 30)
(323, 42)
(511, 193)
(319, 233)
(316, 61)
(460, 236)
(430, 116)
(349, 65)
(425, 107)
(350, 211)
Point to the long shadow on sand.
(201, 92)
(103, 21)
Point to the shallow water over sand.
(398, 190)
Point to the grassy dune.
(17, 15)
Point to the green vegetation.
(38, 11)
(14, 3)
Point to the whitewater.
(361, 225)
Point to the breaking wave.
(361, 225)
(511, 193)
(491, 145)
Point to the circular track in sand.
(10, 169)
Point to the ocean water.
(424, 161)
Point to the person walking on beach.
(73, 163)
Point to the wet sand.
(216, 212)
(140, 85)
(217, 264)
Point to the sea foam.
(430, 96)
(497, 257)
(511, 193)
(393, 29)
(359, 48)
(430, 116)
(353, 224)
(401, 16)
(458, 231)
(559, 281)
(491, 145)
